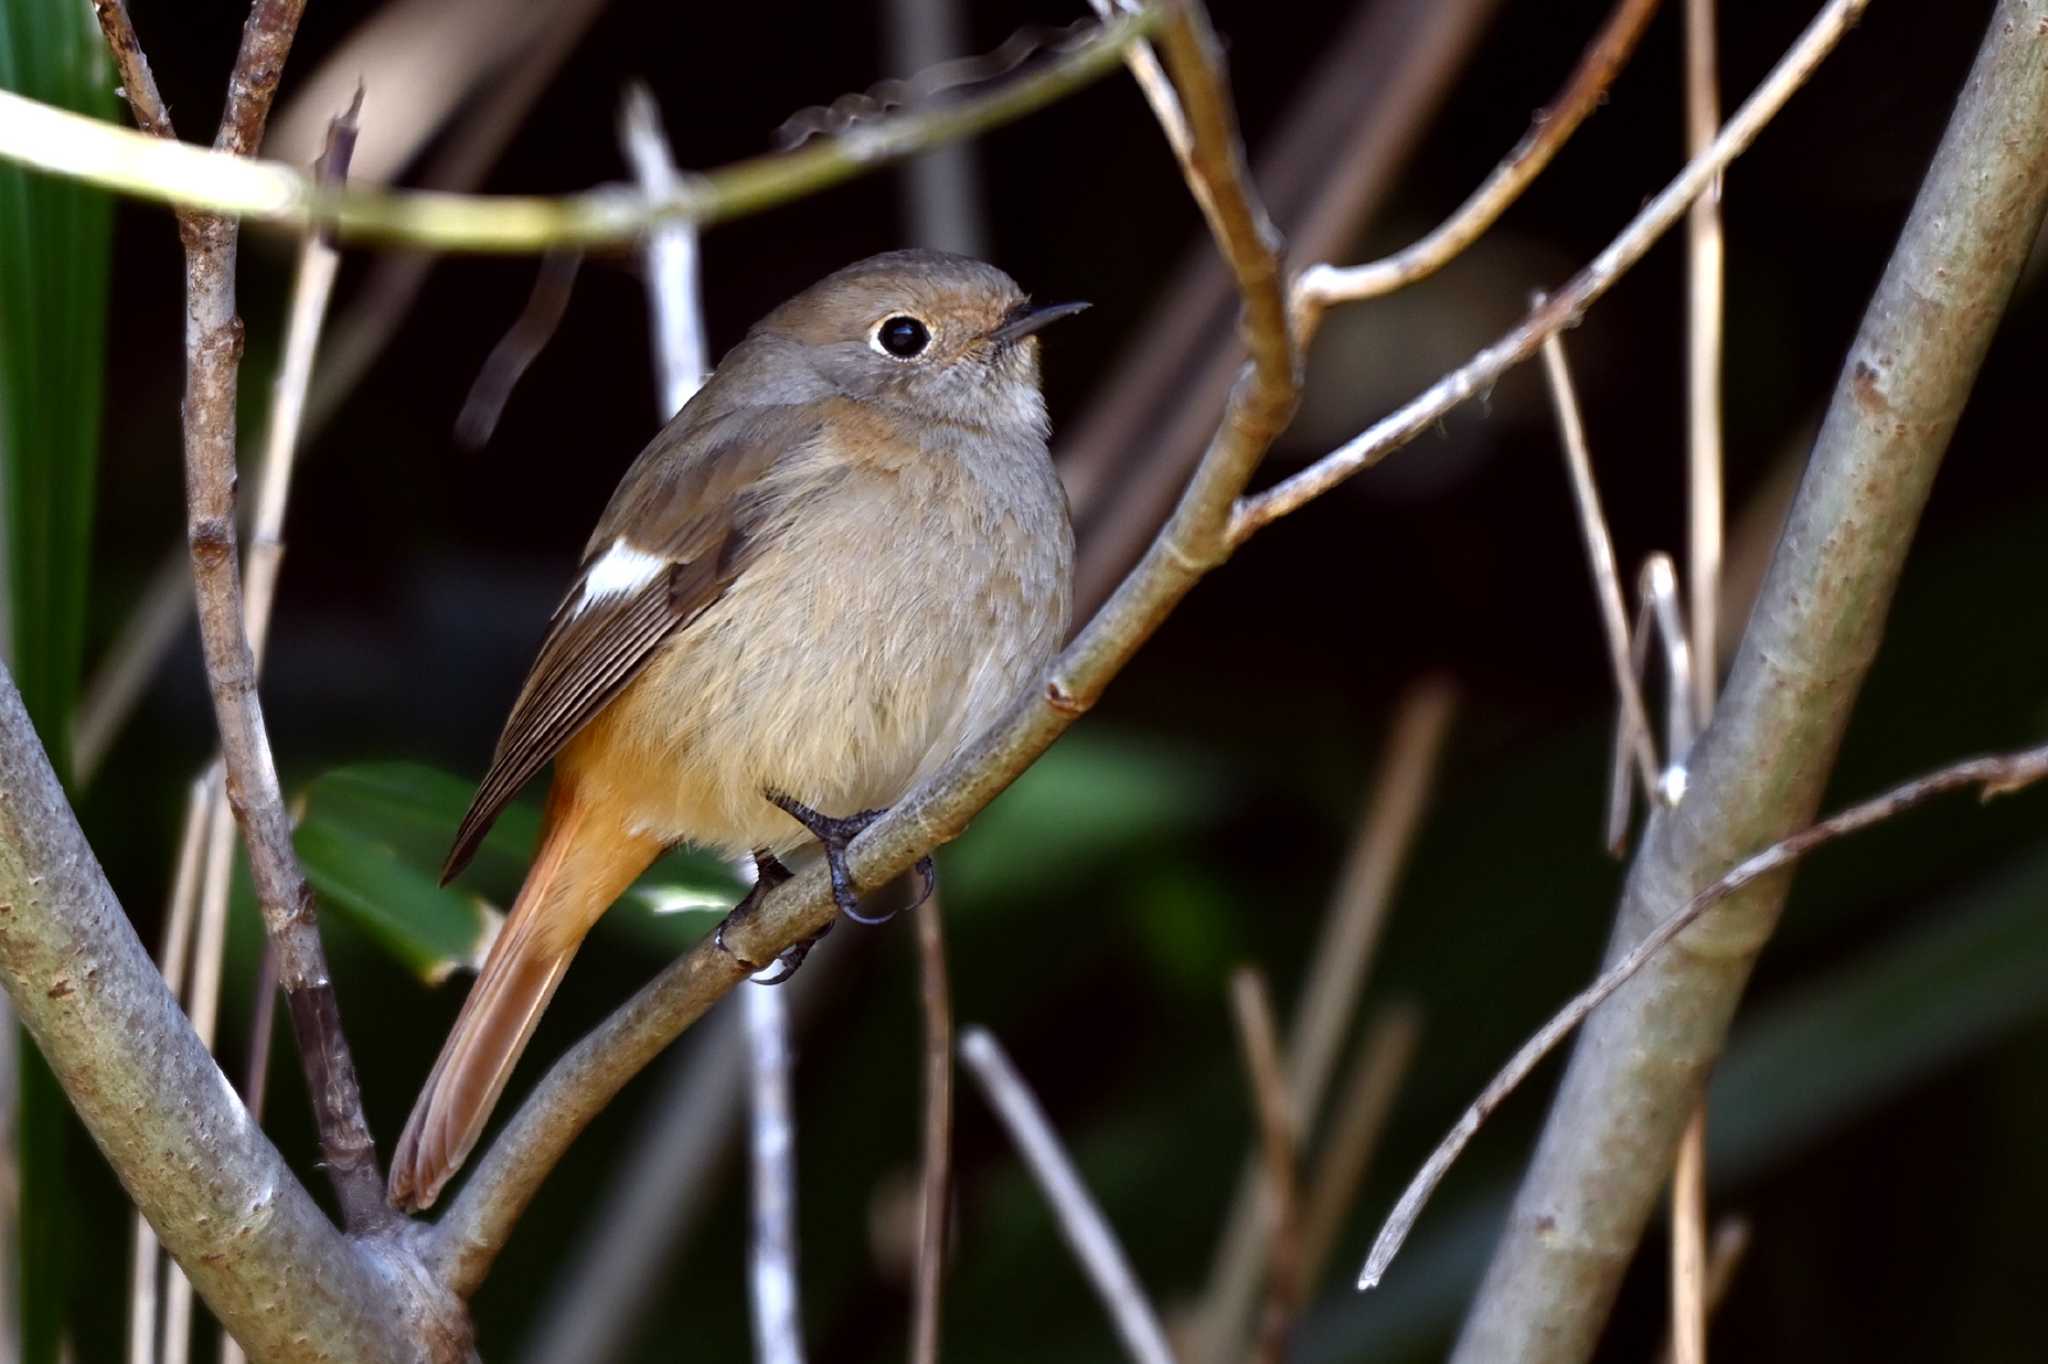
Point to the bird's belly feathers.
(880, 638)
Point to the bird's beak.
(1025, 319)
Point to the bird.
(829, 572)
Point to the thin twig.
(1731, 1244)
(1584, 91)
(1399, 793)
(680, 354)
(936, 1183)
(1081, 1222)
(1689, 1243)
(1274, 1105)
(1657, 585)
(772, 1278)
(146, 1269)
(1365, 1101)
(1703, 333)
(518, 348)
(67, 144)
(1703, 316)
(1599, 545)
(1329, 164)
(213, 341)
(1993, 776)
(1563, 308)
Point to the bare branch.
(1339, 964)
(1689, 1243)
(1992, 776)
(1703, 332)
(213, 344)
(1578, 460)
(1081, 1222)
(772, 1279)
(1563, 308)
(1365, 1100)
(156, 1104)
(61, 143)
(1584, 91)
(680, 354)
(936, 1185)
(1731, 1243)
(1760, 769)
(1258, 1037)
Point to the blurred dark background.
(1877, 1120)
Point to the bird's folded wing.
(676, 535)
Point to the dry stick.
(1324, 171)
(1563, 308)
(1366, 1100)
(670, 255)
(1994, 776)
(146, 1270)
(518, 348)
(1689, 1243)
(1342, 956)
(62, 143)
(772, 1279)
(1731, 1243)
(1208, 523)
(213, 341)
(1599, 545)
(1704, 267)
(355, 342)
(1258, 1035)
(1082, 1224)
(1584, 91)
(1659, 619)
(936, 1182)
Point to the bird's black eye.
(903, 337)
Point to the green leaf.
(430, 928)
(54, 241)
(373, 836)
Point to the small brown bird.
(831, 570)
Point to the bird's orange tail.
(584, 862)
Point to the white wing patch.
(620, 570)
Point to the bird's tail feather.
(579, 869)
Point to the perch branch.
(1583, 92)
(1759, 770)
(1565, 307)
(61, 143)
(1087, 1231)
(1993, 776)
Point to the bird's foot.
(768, 874)
(834, 833)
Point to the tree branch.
(1993, 776)
(1563, 308)
(157, 1105)
(264, 191)
(1584, 91)
(213, 352)
(1759, 770)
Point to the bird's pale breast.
(891, 615)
